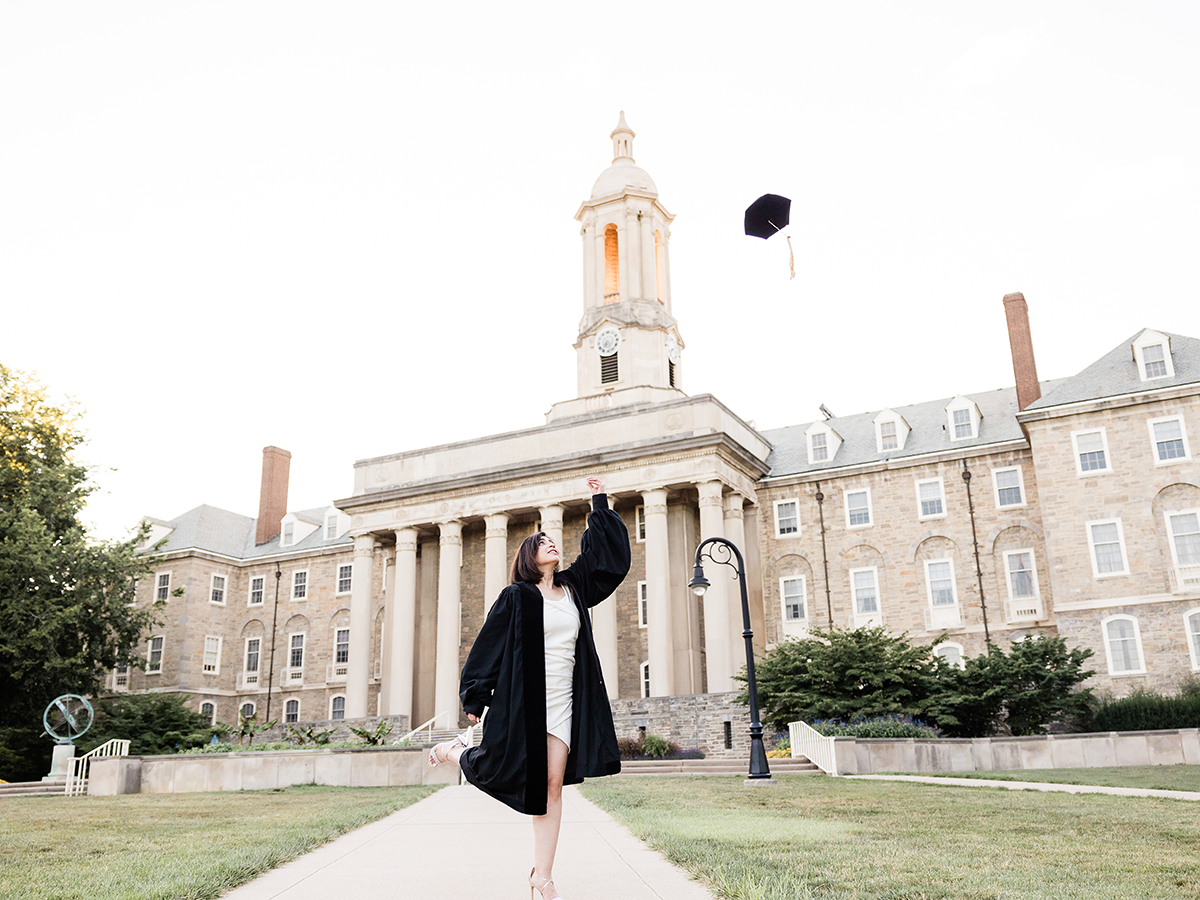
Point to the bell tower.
(629, 348)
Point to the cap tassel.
(791, 257)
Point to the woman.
(535, 664)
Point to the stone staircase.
(36, 788)
(713, 766)
(428, 739)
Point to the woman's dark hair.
(524, 564)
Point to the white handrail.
(80, 764)
(810, 743)
(425, 726)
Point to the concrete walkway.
(462, 843)
(1037, 786)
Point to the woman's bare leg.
(546, 828)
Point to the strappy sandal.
(435, 759)
(546, 882)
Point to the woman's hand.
(474, 720)
(596, 485)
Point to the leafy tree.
(66, 611)
(1043, 683)
(842, 674)
(969, 701)
(153, 723)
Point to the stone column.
(735, 530)
(359, 665)
(604, 633)
(449, 622)
(649, 275)
(658, 595)
(624, 256)
(666, 255)
(552, 519)
(495, 558)
(600, 261)
(403, 626)
(716, 598)
(633, 228)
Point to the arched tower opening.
(612, 270)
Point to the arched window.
(210, 711)
(660, 268)
(247, 710)
(951, 653)
(645, 679)
(612, 270)
(1191, 626)
(291, 711)
(1123, 643)
(337, 707)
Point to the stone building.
(1079, 517)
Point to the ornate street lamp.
(724, 553)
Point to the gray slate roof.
(1116, 373)
(231, 534)
(929, 435)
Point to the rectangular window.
(1009, 489)
(1022, 580)
(337, 709)
(1156, 364)
(154, 658)
(929, 499)
(858, 508)
(792, 590)
(163, 590)
(1170, 443)
(256, 590)
(296, 652)
(1091, 453)
(887, 436)
(331, 527)
(345, 577)
(787, 517)
(962, 424)
(1191, 625)
(1124, 654)
(291, 711)
(1185, 537)
(289, 534)
(342, 646)
(643, 604)
(820, 447)
(299, 585)
(866, 596)
(639, 515)
(217, 594)
(940, 575)
(212, 654)
(253, 646)
(1108, 553)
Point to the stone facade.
(713, 723)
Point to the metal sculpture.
(68, 718)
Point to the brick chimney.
(1020, 342)
(272, 498)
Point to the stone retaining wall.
(693, 721)
(256, 771)
(863, 756)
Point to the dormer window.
(887, 436)
(891, 431)
(823, 443)
(289, 534)
(1152, 355)
(963, 419)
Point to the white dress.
(561, 629)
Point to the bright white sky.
(346, 229)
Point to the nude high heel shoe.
(546, 882)
(436, 758)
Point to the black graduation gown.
(506, 670)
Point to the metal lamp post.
(725, 553)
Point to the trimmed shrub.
(1146, 710)
(876, 727)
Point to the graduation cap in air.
(767, 216)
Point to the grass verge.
(1159, 778)
(819, 837)
(173, 846)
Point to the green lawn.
(173, 846)
(821, 837)
(1160, 778)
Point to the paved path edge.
(1036, 786)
